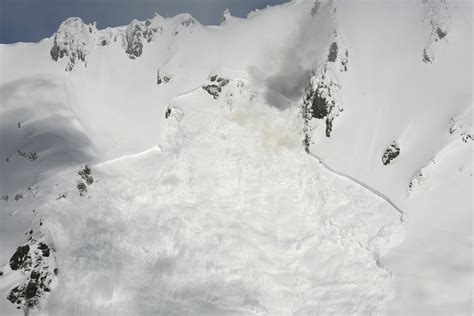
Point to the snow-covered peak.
(73, 39)
(76, 40)
(75, 25)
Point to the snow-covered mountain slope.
(260, 166)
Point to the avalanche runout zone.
(231, 216)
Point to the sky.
(33, 20)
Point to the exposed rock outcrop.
(71, 41)
(437, 19)
(136, 34)
(35, 260)
(321, 101)
(216, 85)
(458, 126)
(162, 78)
(86, 179)
(75, 40)
(392, 152)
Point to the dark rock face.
(70, 41)
(34, 260)
(74, 55)
(215, 88)
(134, 46)
(320, 102)
(44, 248)
(320, 106)
(57, 52)
(136, 34)
(20, 257)
(392, 152)
(332, 56)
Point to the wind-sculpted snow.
(230, 216)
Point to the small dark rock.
(427, 56)
(81, 186)
(315, 8)
(441, 33)
(31, 157)
(162, 79)
(391, 153)
(213, 90)
(45, 249)
(167, 113)
(332, 56)
(62, 196)
(187, 22)
(328, 126)
(86, 175)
